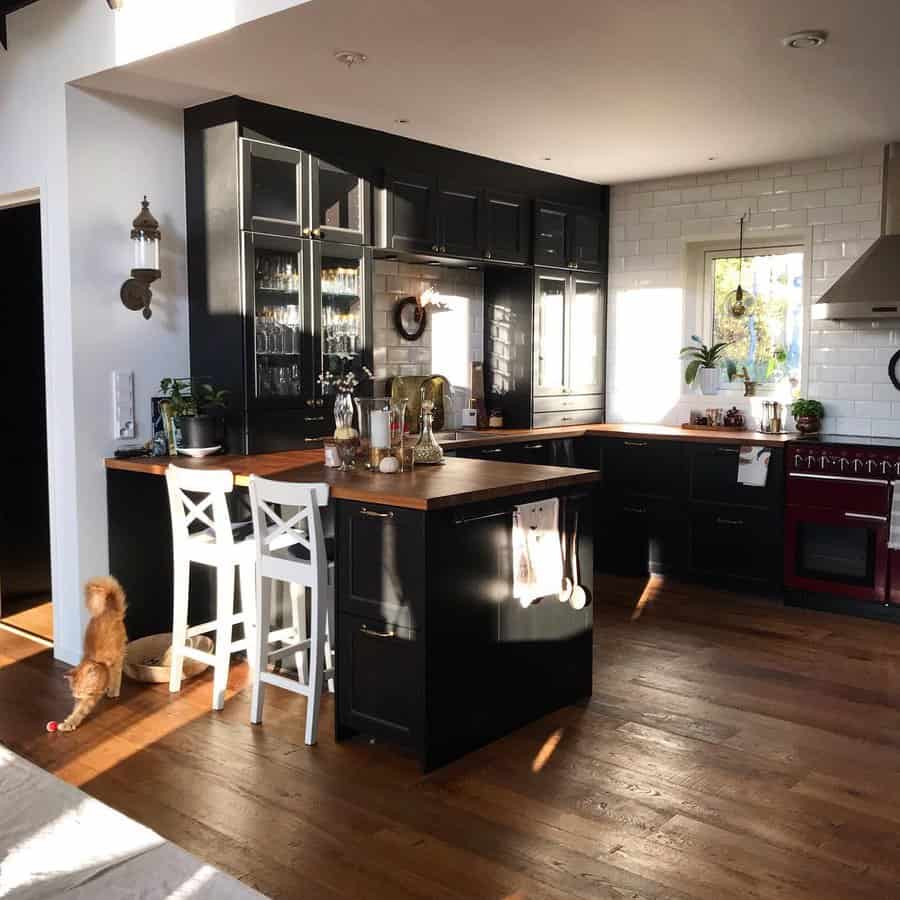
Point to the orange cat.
(104, 650)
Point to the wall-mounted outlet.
(123, 405)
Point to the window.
(767, 338)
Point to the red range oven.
(837, 518)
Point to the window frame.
(707, 304)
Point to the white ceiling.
(611, 90)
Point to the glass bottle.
(428, 451)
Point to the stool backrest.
(198, 502)
(275, 530)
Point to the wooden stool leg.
(316, 653)
(264, 588)
(182, 574)
(224, 615)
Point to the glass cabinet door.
(587, 335)
(550, 334)
(550, 232)
(339, 202)
(276, 286)
(341, 275)
(272, 188)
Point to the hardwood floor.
(733, 748)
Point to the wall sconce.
(135, 292)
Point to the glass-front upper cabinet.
(341, 292)
(277, 319)
(339, 204)
(273, 189)
(587, 335)
(550, 334)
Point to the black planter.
(197, 431)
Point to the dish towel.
(894, 539)
(753, 466)
(537, 554)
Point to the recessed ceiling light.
(433, 262)
(350, 57)
(712, 158)
(546, 158)
(472, 268)
(805, 40)
(401, 121)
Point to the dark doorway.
(25, 601)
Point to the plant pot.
(197, 431)
(808, 424)
(709, 381)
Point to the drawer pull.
(721, 521)
(314, 419)
(866, 516)
(640, 510)
(727, 451)
(566, 419)
(635, 443)
(377, 634)
(493, 450)
(374, 514)
(534, 447)
(312, 440)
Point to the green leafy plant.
(776, 360)
(703, 357)
(191, 397)
(801, 407)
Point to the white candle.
(381, 428)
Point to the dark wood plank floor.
(732, 749)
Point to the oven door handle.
(866, 516)
(845, 478)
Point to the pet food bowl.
(149, 659)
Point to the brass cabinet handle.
(374, 514)
(533, 446)
(378, 634)
(313, 440)
(493, 450)
(721, 521)
(316, 232)
(635, 443)
(306, 232)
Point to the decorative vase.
(808, 424)
(709, 381)
(346, 437)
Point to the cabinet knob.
(435, 248)
(488, 255)
(317, 232)
(306, 232)
(443, 248)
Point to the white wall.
(833, 206)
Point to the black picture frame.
(421, 319)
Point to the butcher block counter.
(433, 650)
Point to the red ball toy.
(52, 726)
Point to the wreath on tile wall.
(410, 318)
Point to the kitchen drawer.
(381, 681)
(497, 452)
(636, 536)
(568, 401)
(645, 467)
(853, 495)
(736, 543)
(567, 417)
(381, 554)
(536, 452)
(714, 473)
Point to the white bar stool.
(202, 532)
(291, 548)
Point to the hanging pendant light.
(739, 301)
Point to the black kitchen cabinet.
(506, 221)
(409, 206)
(645, 468)
(339, 202)
(569, 237)
(273, 188)
(459, 220)
(714, 477)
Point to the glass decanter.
(428, 451)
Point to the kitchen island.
(433, 650)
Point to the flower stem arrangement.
(343, 384)
(808, 415)
(704, 360)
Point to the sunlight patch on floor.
(654, 582)
(547, 750)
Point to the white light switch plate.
(123, 405)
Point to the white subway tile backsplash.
(667, 230)
(725, 191)
(886, 427)
(710, 209)
(742, 174)
(773, 203)
(844, 196)
(864, 212)
(639, 232)
(841, 232)
(808, 166)
(871, 374)
(823, 180)
(861, 427)
(681, 212)
(790, 183)
(652, 214)
(695, 194)
(757, 188)
(775, 171)
(666, 198)
(867, 175)
(872, 410)
(847, 161)
(807, 200)
(790, 219)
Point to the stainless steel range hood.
(870, 288)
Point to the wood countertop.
(456, 483)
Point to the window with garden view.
(766, 338)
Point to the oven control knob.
(871, 466)
(798, 461)
(885, 467)
(843, 464)
(897, 468)
(857, 464)
(823, 461)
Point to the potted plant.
(190, 402)
(808, 415)
(705, 361)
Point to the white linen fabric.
(753, 466)
(56, 841)
(894, 538)
(537, 554)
